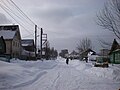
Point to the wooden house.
(28, 49)
(28, 44)
(85, 53)
(12, 37)
(104, 52)
(115, 53)
(74, 55)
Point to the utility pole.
(35, 42)
(41, 44)
(44, 39)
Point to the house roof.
(9, 27)
(27, 42)
(7, 34)
(117, 50)
(89, 50)
(8, 31)
(115, 46)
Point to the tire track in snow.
(62, 83)
(55, 80)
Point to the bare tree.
(84, 44)
(109, 17)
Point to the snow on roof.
(116, 50)
(7, 34)
(9, 27)
(25, 44)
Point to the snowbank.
(20, 73)
(116, 72)
(45, 64)
(10, 73)
(112, 72)
(56, 75)
(101, 72)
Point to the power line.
(13, 17)
(21, 11)
(17, 15)
(29, 35)
(26, 15)
(11, 2)
(9, 11)
(52, 31)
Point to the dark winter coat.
(67, 60)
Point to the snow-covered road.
(57, 75)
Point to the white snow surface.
(7, 34)
(57, 75)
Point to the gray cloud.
(4, 19)
(65, 21)
(54, 15)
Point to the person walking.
(86, 59)
(67, 60)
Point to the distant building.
(12, 37)
(64, 53)
(92, 56)
(28, 49)
(115, 53)
(85, 53)
(28, 44)
(74, 55)
(104, 52)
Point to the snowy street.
(60, 45)
(57, 75)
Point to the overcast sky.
(65, 21)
